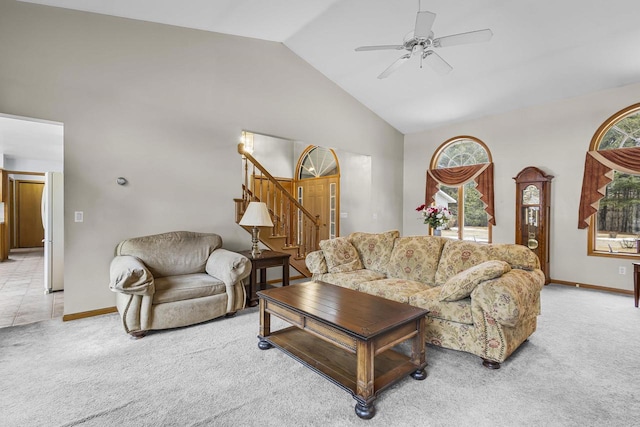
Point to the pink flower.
(435, 216)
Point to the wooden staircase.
(295, 230)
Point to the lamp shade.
(256, 215)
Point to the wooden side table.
(265, 260)
(636, 282)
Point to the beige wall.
(164, 106)
(553, 137)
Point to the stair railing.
(300, 228)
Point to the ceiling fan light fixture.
(421, 40)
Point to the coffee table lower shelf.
(337, 364)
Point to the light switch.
(79, 216)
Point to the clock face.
(531, 195)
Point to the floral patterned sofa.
(482, 298)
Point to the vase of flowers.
(436, 216)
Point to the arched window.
(317, 162)
(461, 176)
(610, 201)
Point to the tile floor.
(22, 297)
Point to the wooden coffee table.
(346, 336)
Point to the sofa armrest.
(316, 263)
(511, 297)
(231, 268)
(129, 275)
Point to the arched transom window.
(461, 178)
(317, 162)
(462, 152)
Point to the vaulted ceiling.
(541, 50)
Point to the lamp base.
(255, 238)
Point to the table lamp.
(256, 215)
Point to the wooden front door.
(317, 199)
(29, 217)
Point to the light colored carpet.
(581, 368)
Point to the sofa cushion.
(349, 279)
(186, 286)
(394, 289)
(462, 284)
(174, 253)
(374, 248)
(340, 255)
(455, 311)
(459, 255)
(518, 256)
(416, 258)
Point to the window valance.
(481, 174)
(598, 173)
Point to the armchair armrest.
(316, 263)
(511, 297)
(129, 275)
(230, 267)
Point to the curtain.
(482, 174)
(598, 173)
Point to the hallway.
(22, 297)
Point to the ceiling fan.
(421, 42)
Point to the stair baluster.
(295, 229)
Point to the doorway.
(318, 188)
(32, 147)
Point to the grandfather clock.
(533, 213)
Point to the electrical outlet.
(78, 216)
(622, 270)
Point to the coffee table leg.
(365, 372)
(265, 327)
(365, 411)
(418, 351)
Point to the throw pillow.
(340, 254)
(374, 249)
(462, 284)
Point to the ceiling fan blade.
(381, 47)
(424, 22)
(394, 66)
(437, 63)
(463, 38)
